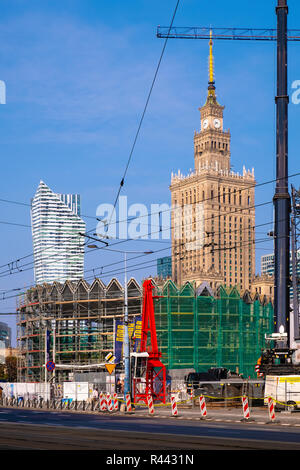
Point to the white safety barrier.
(116, 403)
(150, 404)
(109, 402)
(202, 406)
(174, 406)
(103, 406)
(271, 408)
(128, 403)
(245, 404)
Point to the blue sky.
(77, 75)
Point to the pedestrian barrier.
(150, 404)
(128, 403)
(246, 411)
(202, 406)
(103, 406)
(109, 402)
(174, 406)
(271, 409)
(192, 396)
(116, 403)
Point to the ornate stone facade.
(213, 216)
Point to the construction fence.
(80, 396)
(85, 391)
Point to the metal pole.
(54, 348)
(126, 336)
(295, 328)
(282, 198)
(46, 360)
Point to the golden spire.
(211, 59)
(211, 81)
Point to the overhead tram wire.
(144, 111)
(141, 266)
(104, 274)
(31, 264)
(111, 273)
(211, 198)
(156, 213)
(274, 180)
(20, 268)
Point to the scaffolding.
(71, 323)
(198, 329)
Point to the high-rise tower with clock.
(213, 217)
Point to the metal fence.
(85, 396)
(225, 393)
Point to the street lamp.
(126, 348)
(127, 387)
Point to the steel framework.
(295, 233)
(154, 380)
(239, 34)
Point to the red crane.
(149, 372)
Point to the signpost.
(50, 366)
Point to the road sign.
(50, 366)
(110, 358)
(110, 367)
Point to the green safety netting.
(202, 331)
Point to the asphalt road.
(22, 429)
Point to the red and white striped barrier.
(174, 406)
(128, 403)
(109, 402)
(271, 408)
(150, 404)
(246, 410)
(257, 370)
(202, 406)
(116, 403)
(103, 406)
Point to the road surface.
(57, 430)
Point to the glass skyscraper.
(268, 266)
(58, 246)
(164, 267)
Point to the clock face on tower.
(217, 123)
(205, 124)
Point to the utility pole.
(295, 222)
(281, 200)
(127, 387)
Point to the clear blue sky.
(78, 73)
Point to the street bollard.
(202, 406)
(150, 405)
(174, 406)
(246, 410)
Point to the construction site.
(80, 319)
(74, 324)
